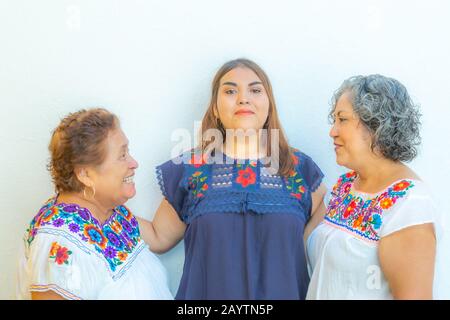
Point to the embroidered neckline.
(372, 195)
(363, 217)
(115, 239)
(86, 212)
(244, 176)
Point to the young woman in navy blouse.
(242, 223)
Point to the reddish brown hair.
(78, 140)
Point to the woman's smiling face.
(114, 178)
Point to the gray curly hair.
(386, 109)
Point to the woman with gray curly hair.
(377, 239)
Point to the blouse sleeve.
(417, 208)
(170, 176)
(310, 170)
(50, 265)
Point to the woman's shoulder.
(299, 154)
(308, 168)
(43, 218)
(300, 157)
(55, 222)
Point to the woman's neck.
(376, 174)
(249, 147)
(99, 211)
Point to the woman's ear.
(216, 112)
(82, 174)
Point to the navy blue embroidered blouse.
(244, 236)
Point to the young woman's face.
(242, 101)
(351, 138)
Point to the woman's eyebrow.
(229, 84)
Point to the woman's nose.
(243, 98)
(133, 163)
(333, 131)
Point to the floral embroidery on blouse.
(197, 183)
(294, 183)
(362, 217)
(197, 180)
(246, 174)
(59, 254)
(115, 239)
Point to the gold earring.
(93, 193)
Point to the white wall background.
(151, 62)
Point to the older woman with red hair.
(84, 243)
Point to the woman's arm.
(46, 295)
(318, 210)
(165, 231)
(407, 260)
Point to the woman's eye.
(342, 119)
(256, 90)
(230, 91)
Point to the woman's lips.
(244, 112)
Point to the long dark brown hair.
(210, 121)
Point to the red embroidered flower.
(198, 160)
(297, 195)
(350, 174)
(246, 177)
(349, 210)
(60, 254)
(401, 186)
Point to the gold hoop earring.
(93, 193)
